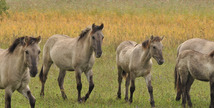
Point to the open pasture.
(177, 20)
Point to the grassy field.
(177, 20)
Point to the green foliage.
(3, 7)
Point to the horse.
(73, 54)
(134, 60)
(191, 65)
(18, 63)
(201, 45)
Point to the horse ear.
(101, 26)
(145, 44)
(38, 39)
(162, 37)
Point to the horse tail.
(176, 75)
(41, 74)
(177, 78)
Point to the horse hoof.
(82, 100)
(42, 94)
(126, 99)
(64, 96)
(130, 101)
(177, 98)
(118, 98)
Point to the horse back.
(124, 51)
(196, 44)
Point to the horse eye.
(26, 52)
(154, 47)
(93, 37)
(39, 52)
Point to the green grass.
(104, 93)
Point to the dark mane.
(156, 38)
(84, 32)
(15, 44)
(21, 41)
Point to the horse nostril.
(161, 62)
(98, 54)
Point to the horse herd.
(195, 60)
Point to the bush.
(3, 7)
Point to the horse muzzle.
(160, 62)
(33, 71)
(98, 54)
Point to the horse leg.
(119, 82)
(212, 93)
(188, 86)
(132, 89)
(150, 89)
(127, 87)
(184, 80)
(61, 82)
(89, 76)
(43, 75)
(8, 94)
(27, 93)
(79, 85)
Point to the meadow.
(177, 20)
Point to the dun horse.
(134, 60)
(196, 44)
(192, 65)
(18, 63)
(73, 54)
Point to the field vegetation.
(177, 20)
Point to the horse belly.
(142, 73)
(200, 74)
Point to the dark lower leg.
(119, 85)
(32, 100)
(7, 100)
(43, 85)
(79, 85)
(150, 89)
(127, 88)
(132, 89)
(91, 87)
(212, 94)
(183, 96)
(189, 84)
(61, 82)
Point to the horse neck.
(146, 56)
(18, 60)
(87, 48)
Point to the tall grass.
(177, 20)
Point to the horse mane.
(84, 32)
(157, 39)
(21, 41)
(211, 54)
(145, 44)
